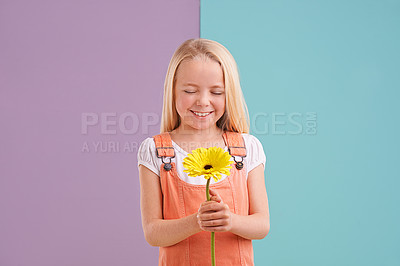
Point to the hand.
(214, 215)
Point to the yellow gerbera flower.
(211, 162)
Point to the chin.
(204, 127)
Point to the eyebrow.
(195, 85)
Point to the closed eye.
(189, 91)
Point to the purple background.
(60, 205)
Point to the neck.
(200, 134)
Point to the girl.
(203, 107)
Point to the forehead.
(199, 70)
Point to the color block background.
(329, 66)
(333, 195)
(59, 60)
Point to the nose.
(203, 99)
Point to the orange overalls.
(181, 199)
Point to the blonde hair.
(236, 116)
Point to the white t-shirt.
(147, 156)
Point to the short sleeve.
(255, 153)
(147, 155)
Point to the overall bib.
(181, 199)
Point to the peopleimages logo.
(294, 123)
(110, 124)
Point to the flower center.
(207, 166)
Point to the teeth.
(202, 114)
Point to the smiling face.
(199, 94)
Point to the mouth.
(201, 114)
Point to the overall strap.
(235, 143)
(164, 146)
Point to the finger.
(216, 198)
(203, 206)
(222, 228)
(213, 223)
(214, 195)
(207, 207)
(207, 216)
(206, 203)
(213, 191)
(211, 206)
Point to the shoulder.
(147, 155)
(254, 150)
(251, 141)
(147, 149)
(147, 145)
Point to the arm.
(256, 224)
(215, 216)
(157, 231)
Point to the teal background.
(333, 195)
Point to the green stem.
(208, 190)
(213, 248)
(212, 233)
